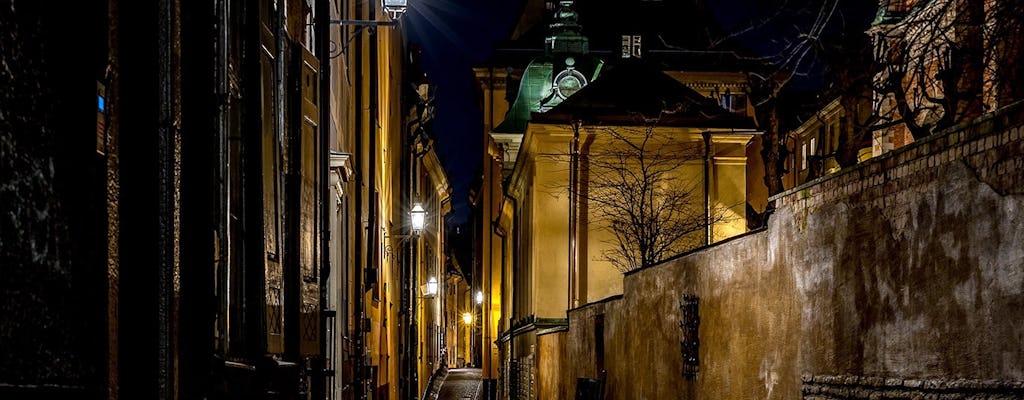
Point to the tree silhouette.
(945, 62)
(635, 186)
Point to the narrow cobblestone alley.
(462, 383)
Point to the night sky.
(455, 35)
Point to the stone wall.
(825, 387)
(901, 276)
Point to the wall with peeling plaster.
(901, 276)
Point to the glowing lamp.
(419, 217)
(432, 286)
(395, 8)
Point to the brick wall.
(992, 146)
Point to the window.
(735, 103)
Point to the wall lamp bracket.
(353, 22)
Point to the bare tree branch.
(635, 186)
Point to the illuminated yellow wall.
(432, 192)
(541, 185)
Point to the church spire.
(565, 33)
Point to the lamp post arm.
(354, 22)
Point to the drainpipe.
(221, 260)
(166, 203)
(707, 187)
(573, 176)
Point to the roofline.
(731, 122)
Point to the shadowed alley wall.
(903, 276)
(53, 207)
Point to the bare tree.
(635, 186)
(944, 62)
(931, 65)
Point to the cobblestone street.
(461, 384)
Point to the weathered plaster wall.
(908, 268)
(552, 356)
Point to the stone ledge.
(828, 387)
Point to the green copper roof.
(566, 60)
(534, 88)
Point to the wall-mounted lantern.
(432, 287)
(419, 217)
(395, 8)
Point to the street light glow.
(479, 297)
(467, 318)
(431, 286)
(418, 217)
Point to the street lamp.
(432, 286)
(467, 318)
(479, 297)
(419, 217)
(396, 8)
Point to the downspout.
(573, 166)
(707, 187)
(221, 263)
(166, 203)
(490, 93)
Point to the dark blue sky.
(455, 35)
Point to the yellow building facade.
(433, 194)
(369, 216)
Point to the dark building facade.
(211, 200)
(162, 187)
